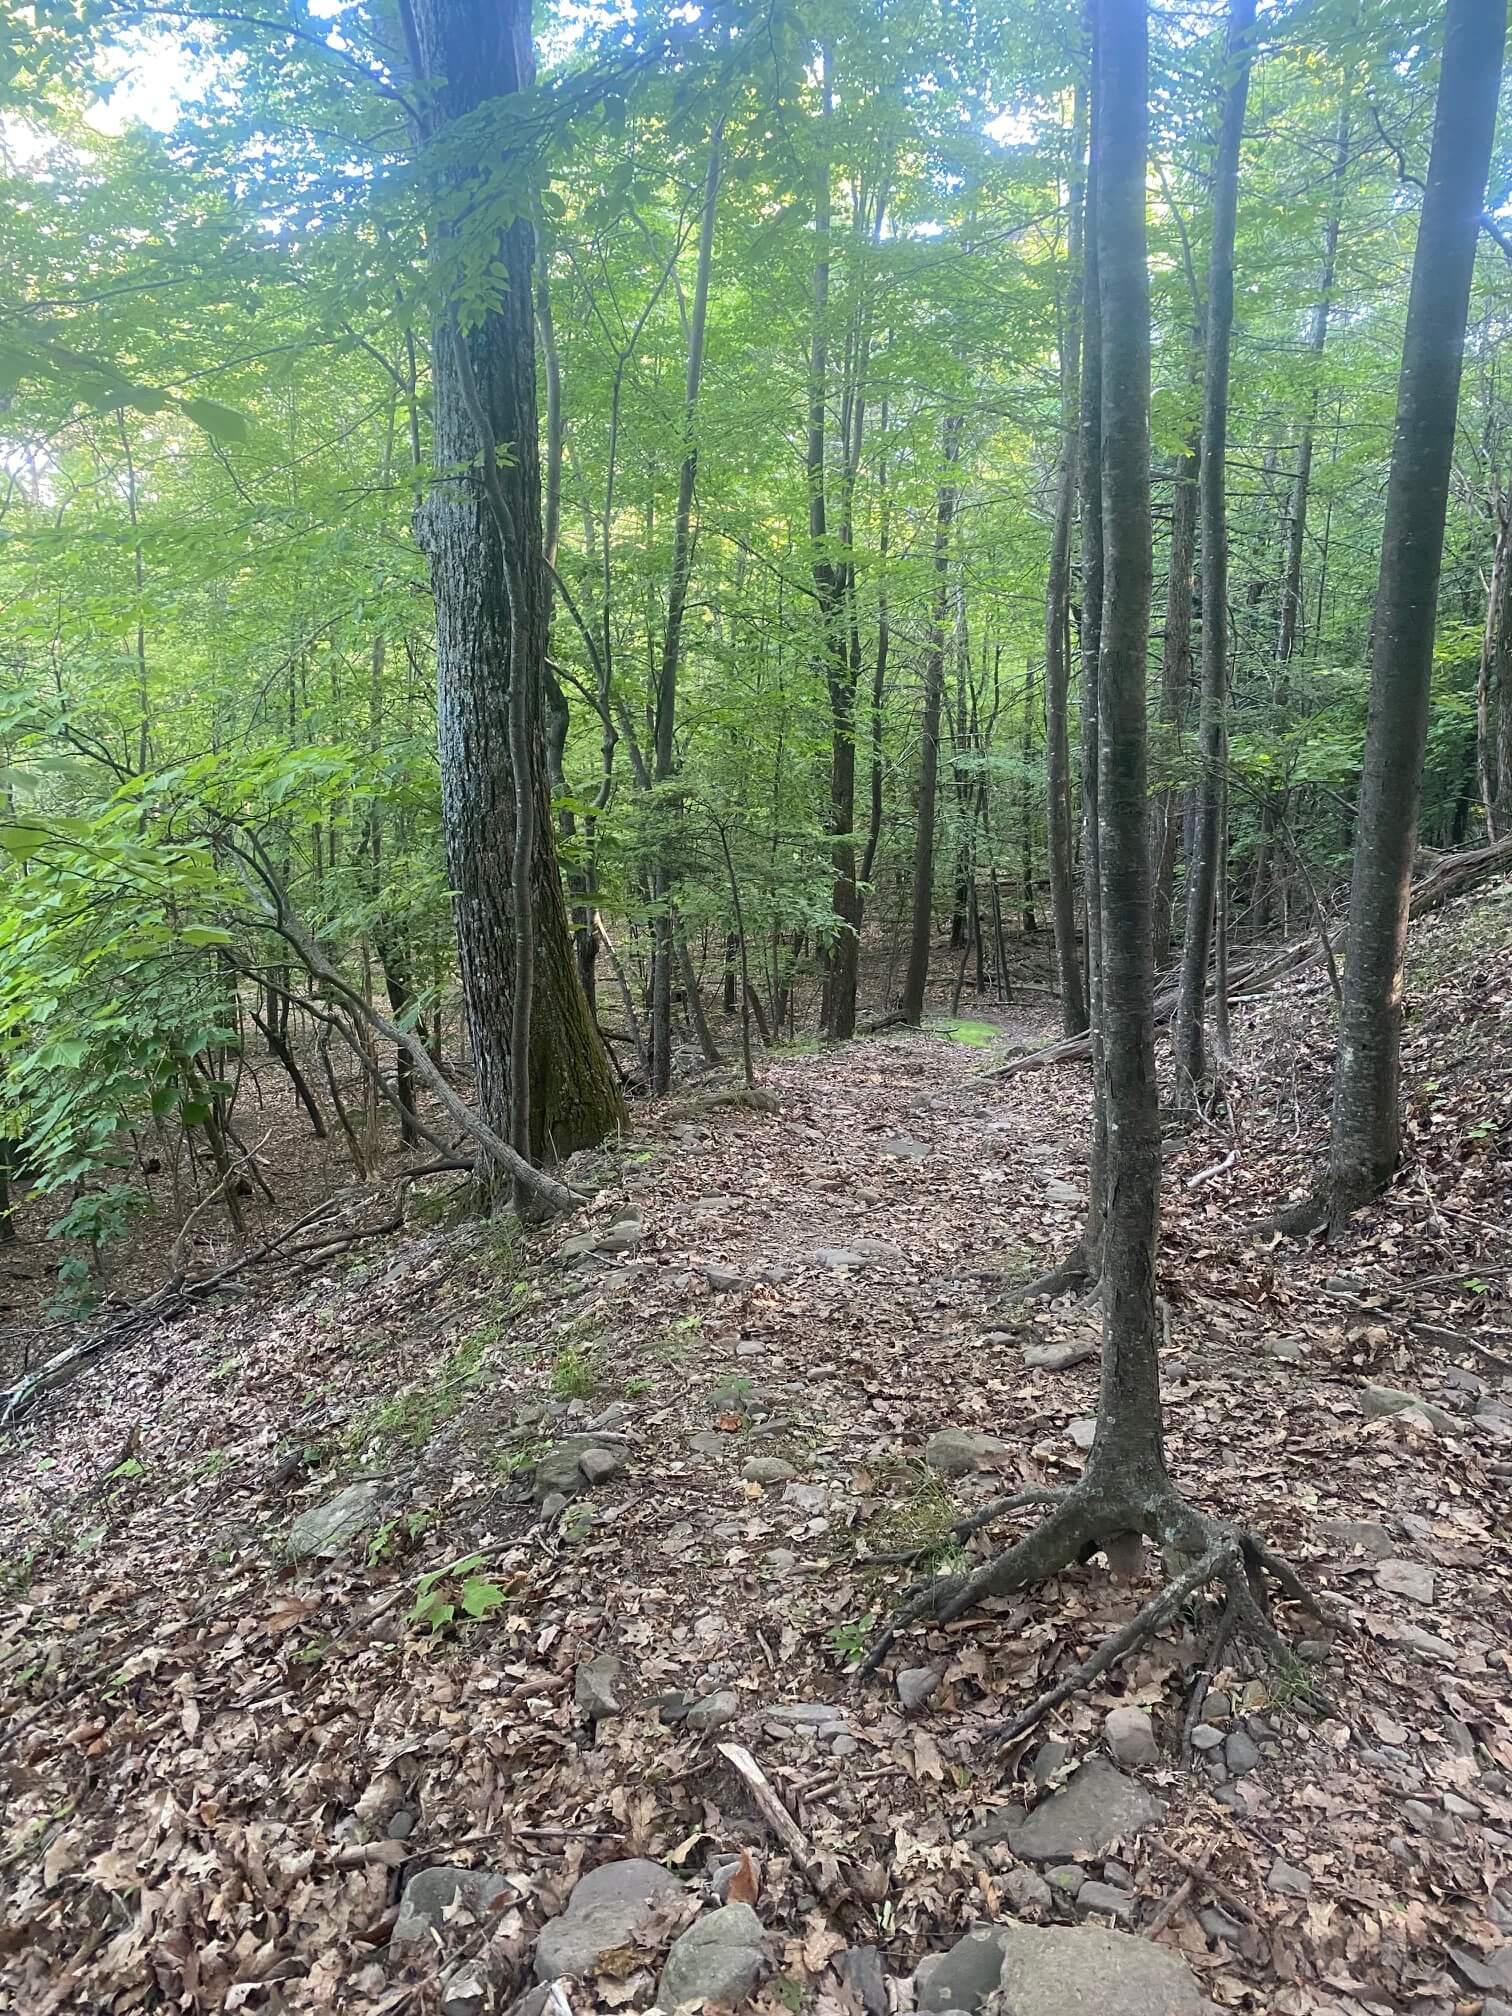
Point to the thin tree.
(921, 920)
(1058, 784)
(665, 715)
(1125, 1491)
(540, 1064)
(1212, 741)
(1366, 1132)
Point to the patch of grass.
(576, 1371)
(975, 1035)
(408, 1419)
(637, 1385)
(920, 1516)
(1292, 1680)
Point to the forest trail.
(755, 1333)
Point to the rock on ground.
(1131, 1737)
(594, 1685)
(322, 1532)
(603, 1911)
(1096, 1806)
(1373, 1541)
(954, 1452)
(720, 1958)
(1085, 1971)
(1406, 1578)
(917, 1683)
(430, 1892)
(1377, 1402)
(862, 1971)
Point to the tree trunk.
(1202, 867)
(1175, 685)
(1128, 1449)
(921, 924)
(1058, 633)
(1493, 690)
(468, 52)
(665, 715)
(1366, 1130)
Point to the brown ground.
(204, 1745)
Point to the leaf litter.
(221, 1764)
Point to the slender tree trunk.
(1128, 1449)
(468, 52)
(1202, 868)
(1493, 690)
(1027, 922)
(921, 926)
(1175, 685)
(1365, 1144)
(1058, 630)
(665, 716)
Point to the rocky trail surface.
(477, 1621)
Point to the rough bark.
(1203, 866)
(1365, 1144)
(1175, 684)
(469, 52)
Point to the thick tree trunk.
(1128, 1451)
(1058, 635)
(469, 52)
(921, 924)
(1212, 745)
(1366, 1130)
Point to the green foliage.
(455, 1594)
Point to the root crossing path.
(798, 1386)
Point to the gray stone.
(767, 1470)
(558, 1473)
(1097, 1806)
(1378, 1402)
(781, 1560)
(401, 1827)
(1290, 1350)
(955, 1452)
(673, 1707)
(1119, 1874)
(431, 1893)
(862, 1971)
(1084, 1431)
(1059, 1357)
(1218, 1925)
(1068, 1879)
(1206, 1737)
(1486, 1972)
(859, 1253)
(1104, 1898)
(708, 1442)
(323, 1531)
(916, 1684)
(593, 1688)
(807, 1714)
(1426, 1644)
(844, 1745)
(599, 1465)
(1240, 1753)
(465, 1990)
(807, 1497)
(1131, 1737)
(720, 1958)
(1286, 1880)
(615, 1415)
(1027, 1890)
(714, 1710)
(965, 1976)
(1406, 1578)
(1059, 1192)
(904, 1147)
(1372, 1540)
(623, 1236)
(723, 1280)
(1048, 1759)
(553, 1504)
(1083, 1970)
(1216, 1706)
(602, 1912)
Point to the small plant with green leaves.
(397, 1536)
(456, 1593)
(849, 1640)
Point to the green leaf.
(222, 423)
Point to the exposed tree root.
(1086, 1518)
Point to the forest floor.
(221, 1764)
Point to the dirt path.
(226, 1764)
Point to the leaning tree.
(1125, 1493)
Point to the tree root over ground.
(1086, 1518)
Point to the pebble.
(1131, 1737)
(1240, 1754)
(1068, 1879)
(593, 1687)
(1206, 1737)
(1103, 1898)
(1218, 1925)
(1286, 1880)
(599, 1465)
(714, 1710)
(1027, 1890)
(916, 1684)
(1084, 1432)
